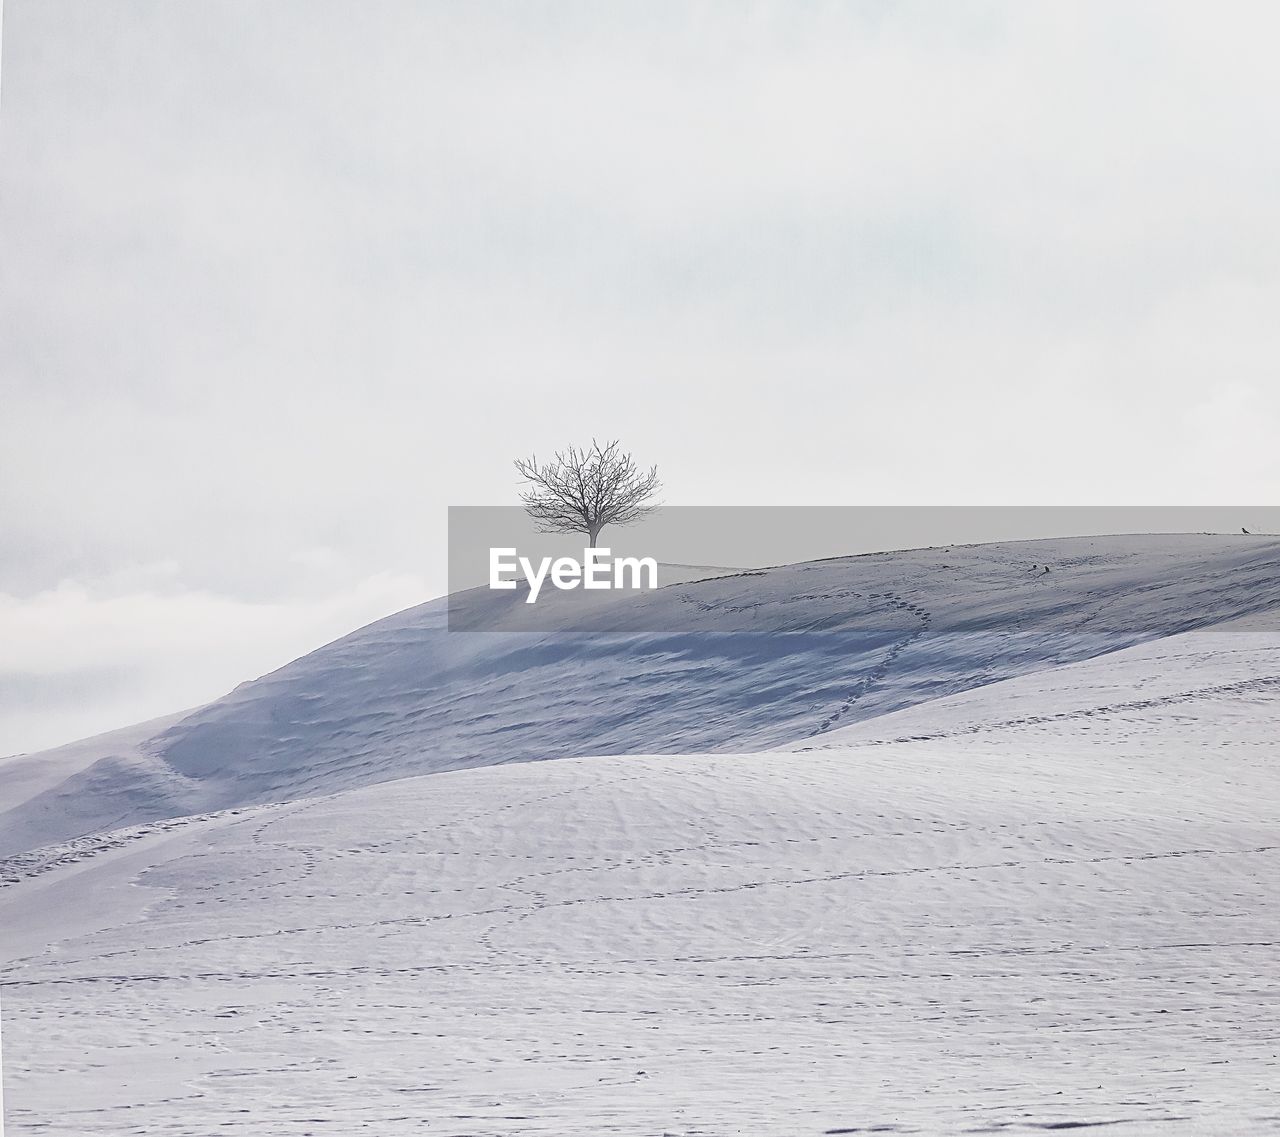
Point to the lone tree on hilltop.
(581, 490)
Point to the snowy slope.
(741, 662)
(1047, 903)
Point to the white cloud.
(77, 660)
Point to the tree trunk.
(593, 535)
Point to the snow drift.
(740, 662)
(1040, 904)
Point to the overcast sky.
(282, 280)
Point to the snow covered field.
(1009, 864)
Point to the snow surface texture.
(963, 903)
(741, 662)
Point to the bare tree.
(581, 490)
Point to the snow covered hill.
(748, 661)
(1048, 902)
